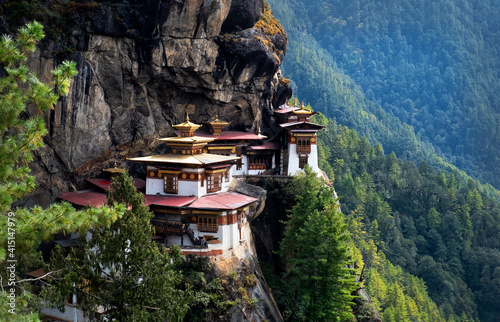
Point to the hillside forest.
(414, 219)
(408, 93)
(421, 77)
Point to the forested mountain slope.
(438, 227)
(409, 74)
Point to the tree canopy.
(22, 230)
(419, 77)
(120, 268)
(439, 227)
(316, 251)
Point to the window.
(304, 146)
(170, 183)
(208, 223)
(302, 161)
(214, 182)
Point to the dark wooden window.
(304, 146)
(208, 223)
(214, 182)
(170, 183)
(302, 161)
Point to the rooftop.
(197, 159)
(291, 124)
(227, 135)
(284, 109)
(104, 184)
(85, 198)
(97, 199)
(264, 146)
(222, 201)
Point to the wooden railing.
(165, 227)
(208, 227)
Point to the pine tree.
(20, 136)
(121, 269)
(316, 251)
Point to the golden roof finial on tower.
(216, 126)
(260, 134)
(187, 128)
(303, 114)
(115, 170)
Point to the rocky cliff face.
(143, 65)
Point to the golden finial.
(302, 105)
(115, 169)
(187, 117)
(260, 134)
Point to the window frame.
(208, 223)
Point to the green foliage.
(440, 228)
(268, 23)
(315, 248)
(213, 299)
(20, 136)
(121, 269)
(55, 15)
(422, 80)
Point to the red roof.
(236, 135)
(97, 199)
(223, 201)
(287, 109)
(264, 146)
(230, 135)
(104, 184)
(172, 201)
(85, 198)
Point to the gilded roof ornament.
(216, 126)
(115, 169)
(303, 110)
(187, 128)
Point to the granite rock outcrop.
(142, 65)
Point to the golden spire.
(303, 114)
(187, 128)
(216, 126)
(260, 135)
(114, 170)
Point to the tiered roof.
(216, 126)
(187, 149)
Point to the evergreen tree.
(120, 269)
(20, 136)
(316, 251)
